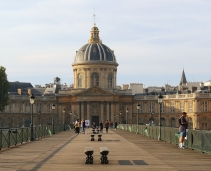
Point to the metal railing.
(196, 139)
(14, 136)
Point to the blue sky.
(153, 40)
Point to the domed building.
(95, 64)
(94, 96)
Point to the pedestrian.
(83, 125)
(182, 129)
(107, 125)
(93, 125)
(101, 126)
(115, 124)
(77, 126)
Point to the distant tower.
(57, 80)
(183, 81)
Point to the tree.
(4, 87)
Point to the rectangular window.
(141, 108)
(190, 106)
(151, 107)
(162, 108)
(39, 107)
(27, 108)
(172, 106)
(205, 106)
(49, 108)
(182, 106)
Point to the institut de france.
(95, 96)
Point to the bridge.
(127, 150)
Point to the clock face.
(95, 90)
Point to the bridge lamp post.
(127, 110)
(120, 117)
(32, 99)
(160, 100)
(151, 117)
(74, 118)
(53, 108)
(138, 108)
(39, 112)
(70, 116)
(63, 110)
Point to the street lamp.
(120, 115)
(53, 108)
(32, 99)
(74, 118)
(127, 110)
(63, 110)
(70, 116)
(151, 117)
(138, 108)
(39, 112)
(160, 100)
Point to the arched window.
(95, 79)
(109, 81)
(173, 122)
(80, 80)
(163, 121)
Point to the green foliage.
(4, 87)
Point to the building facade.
(95, 96)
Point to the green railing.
(196, 139)
(13, 136)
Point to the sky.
(153, 40)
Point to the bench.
(92, 137)
(99, 137)
(89, 151)
(104, 152)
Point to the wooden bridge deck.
(65, 151)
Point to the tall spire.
(94, 38)
(183, 80)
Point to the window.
(172, 106)
(80, 78)
(190, 106)
(109, 81)
(162, 108)
(205, 106)
(27, 107)
(173, 122)
(95, 79)
(141, 108)
(151, 107)
(39, 107)
(182, 106)
(49, 108)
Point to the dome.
(94, 51)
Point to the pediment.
(95, 91)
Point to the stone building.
(95, 96)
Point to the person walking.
(107, 125)
(183, 125)
(115, 124)
(83, 125)
(77, 126)
(101, 126)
